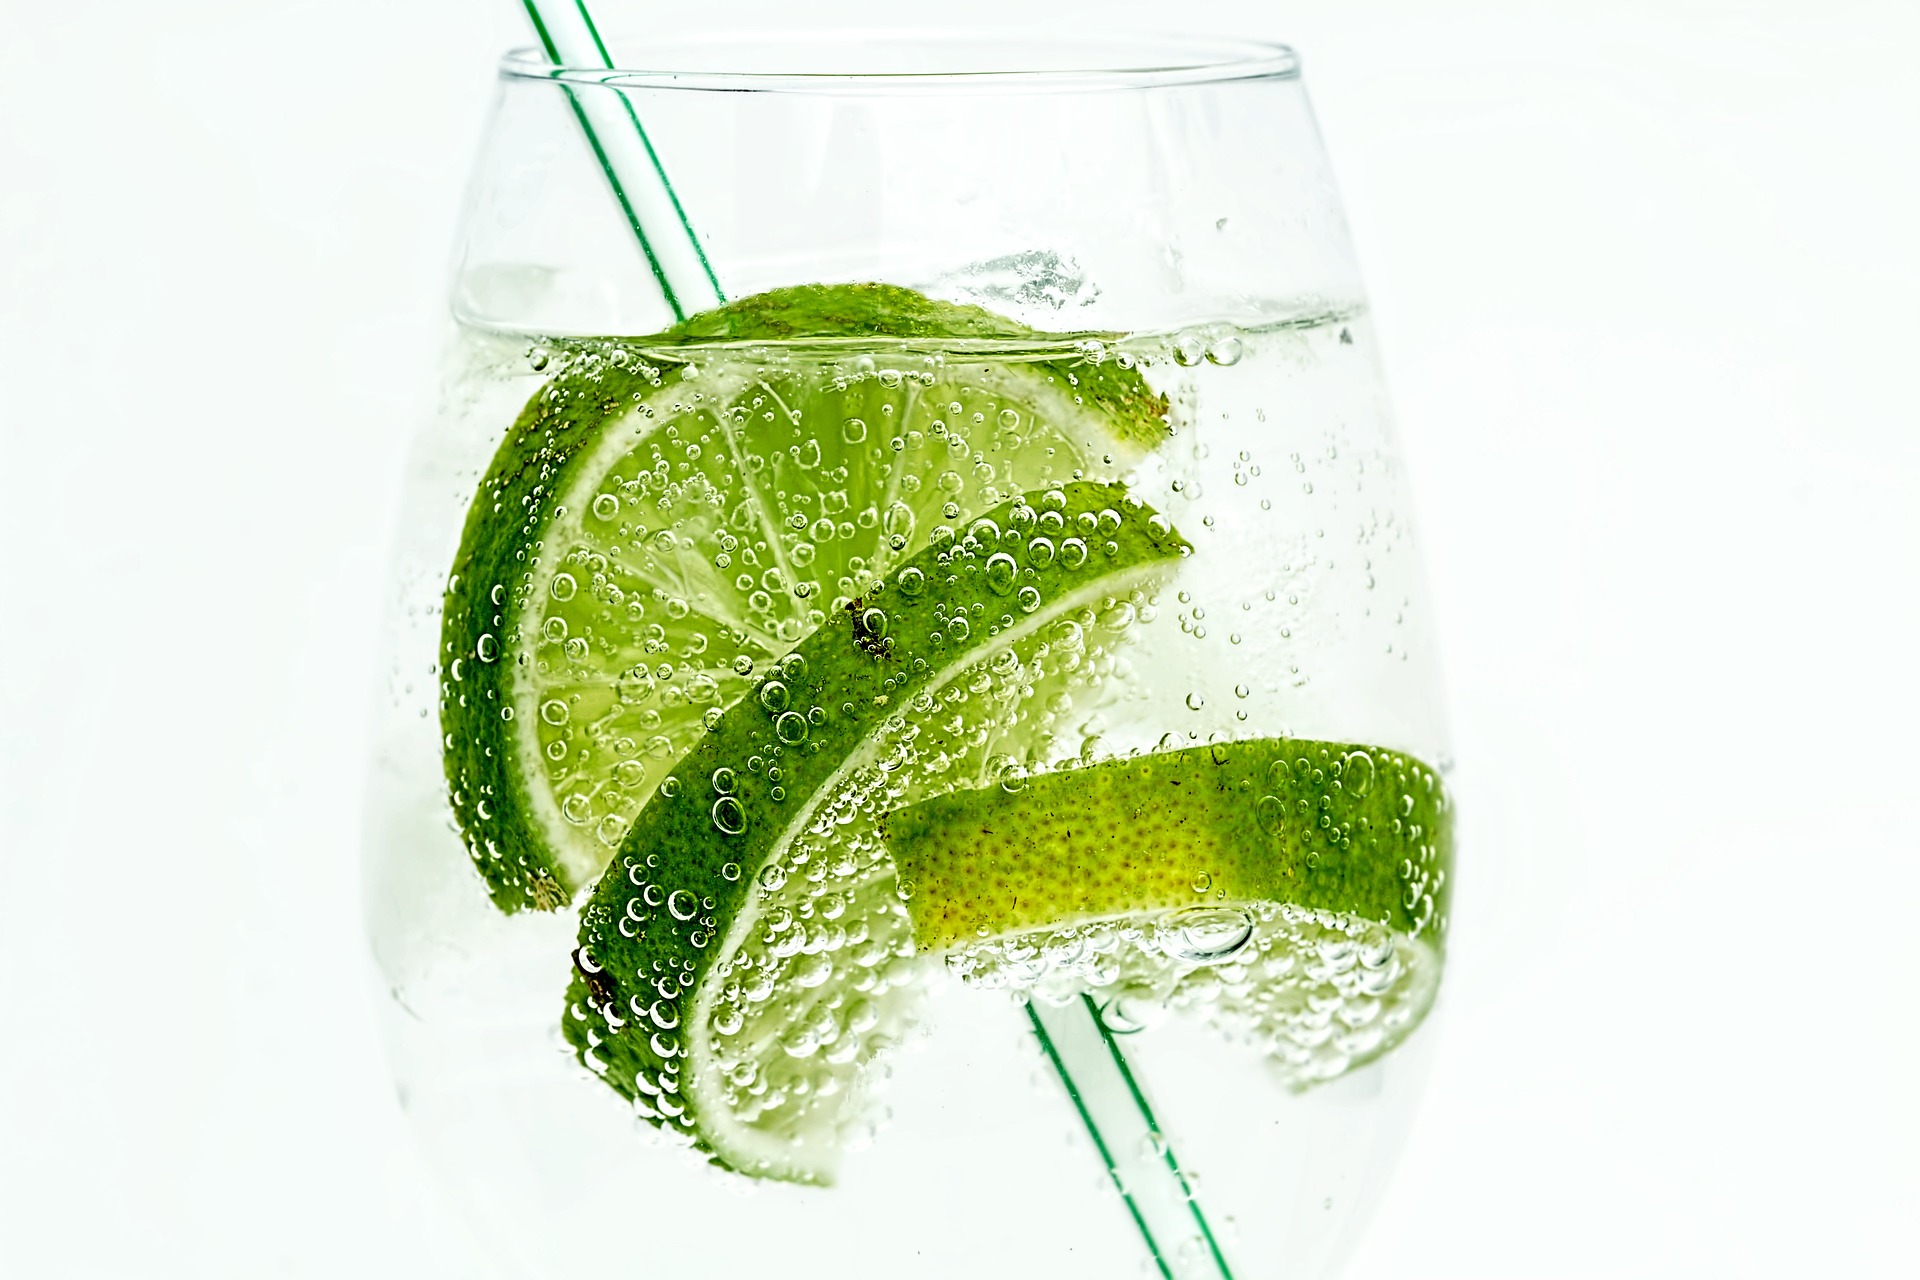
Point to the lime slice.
(664, 522)
(1293, 892)
(747, 956)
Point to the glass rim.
(1131, 62)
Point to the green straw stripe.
(1153, 1126)
(613, 178)
(626, 207)
(1100, 1144)
(653, 158)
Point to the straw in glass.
(1105, 1091)
(631, 165)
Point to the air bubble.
(729, 818)
(606, 506)
(1133, 1010)
(1357, 774)
(563, 586)
(1226, 351)
(1271, 814)
(1001, 572)
(1208, 935)
(791, 728)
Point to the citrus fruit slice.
(740, 962)
(1294, 892)
(669, 516)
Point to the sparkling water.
(1255, 1033)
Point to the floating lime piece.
(668, 518)
(1324, 826)
(1291, 893)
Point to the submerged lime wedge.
(746, 954)
(1291, 893)
(670, 515)
(1324, 826)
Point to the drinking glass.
(1047, 536)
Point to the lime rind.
(484, 756)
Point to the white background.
(1648, 278)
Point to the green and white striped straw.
(1105, 1091)
(631, 165)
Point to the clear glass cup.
(1204, 1088)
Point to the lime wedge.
(665, 521)
(1314, 824)
(746, 955)
(1293, 892)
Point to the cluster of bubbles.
(1315, 993)
(822, 990)
(826, 987)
